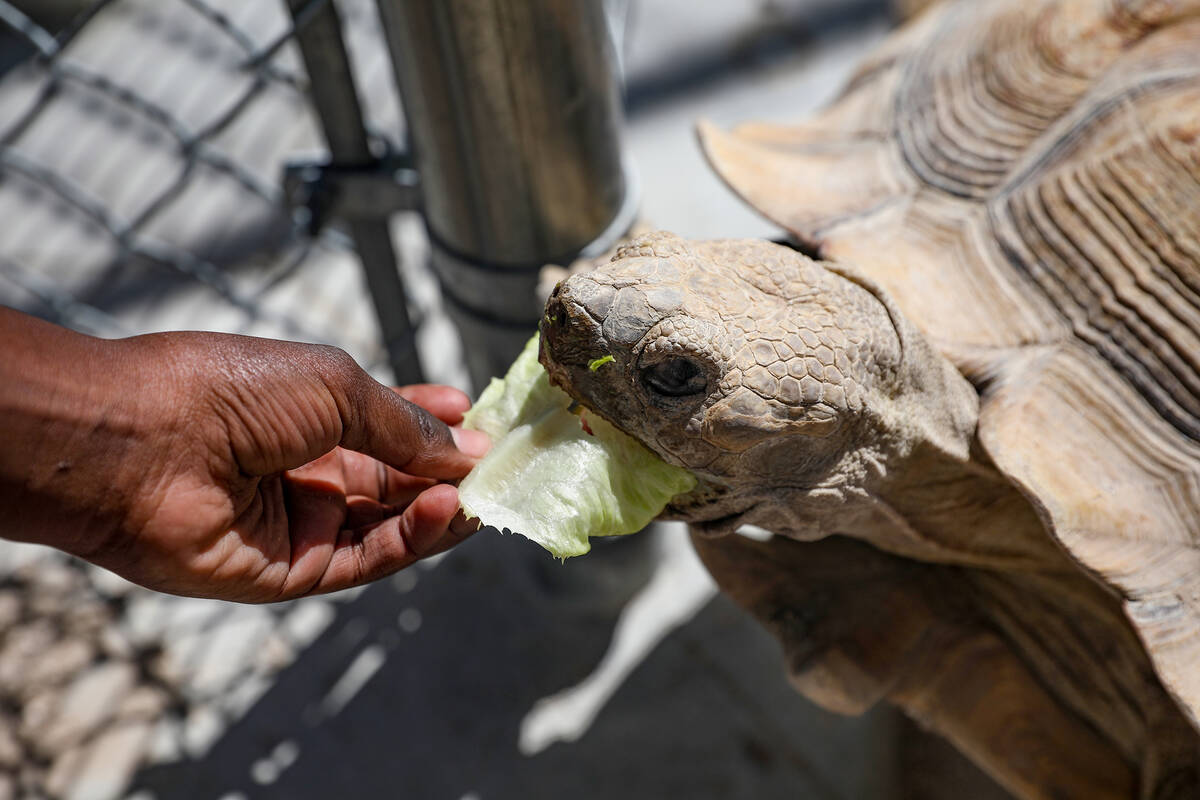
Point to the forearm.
(65, 429)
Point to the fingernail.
(462, 527)
(473, 443)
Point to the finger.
(326, 469)
(463, 526)
(371, 553)
(382, 424)
(473, 443)
(316, 511)
(449, 405)
(444, 402)
(460, 530)
(370, 478)
(363, 513)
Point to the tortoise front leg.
(858, 625)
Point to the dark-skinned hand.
(224, 466)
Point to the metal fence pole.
(513, 110)
(332, 86)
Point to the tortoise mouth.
(722, 526)
(712, 510)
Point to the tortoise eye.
(675, 377)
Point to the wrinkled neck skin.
(926, 504)
(920, 501)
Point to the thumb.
(382, 424)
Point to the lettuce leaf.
(556, 476)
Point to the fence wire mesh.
(142, 148)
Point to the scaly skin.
(808, 405)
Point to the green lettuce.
(556, 473)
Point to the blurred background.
(249, 167)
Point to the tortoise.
(966, 399)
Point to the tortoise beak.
(571, 328)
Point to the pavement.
(447, 670)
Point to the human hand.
(244, 469)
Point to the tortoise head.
(788, 386)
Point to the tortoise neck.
(941, 507)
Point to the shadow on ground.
(419, 691)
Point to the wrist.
(61, 422)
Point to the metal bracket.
(319, 191)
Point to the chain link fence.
(141, 154)
(143, 145)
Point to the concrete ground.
(451, 666)
(494, 672)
